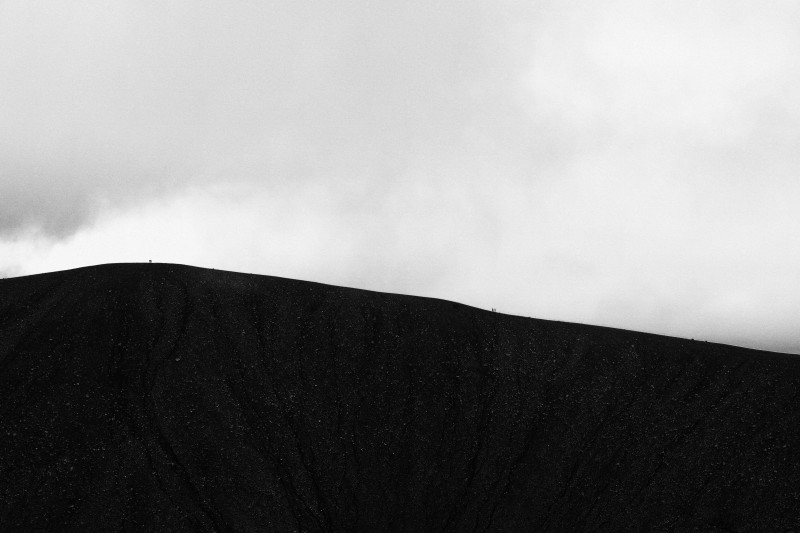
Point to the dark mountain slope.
(165, 397)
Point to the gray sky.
(625, 163)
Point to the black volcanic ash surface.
(171, 398)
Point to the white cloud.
(629, 163)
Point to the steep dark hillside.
(171, 398)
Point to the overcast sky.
(625, 163)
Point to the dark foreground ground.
(171, 398)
